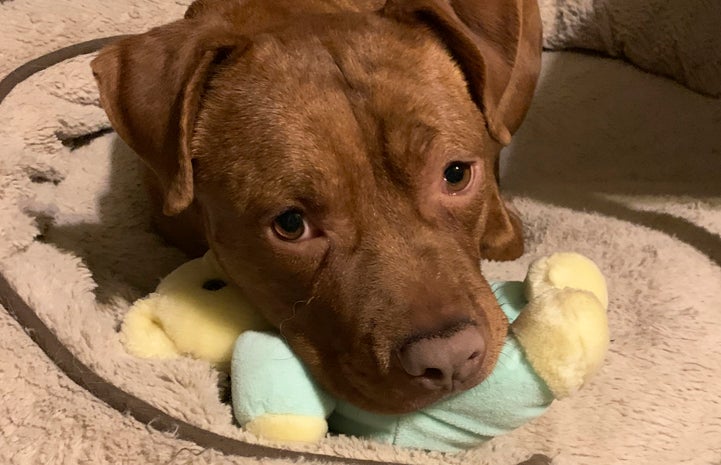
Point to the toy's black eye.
(457, 176)
(214, 285)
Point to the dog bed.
(612, 162)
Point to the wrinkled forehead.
(385, 67)
(338, 95)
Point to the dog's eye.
(457, 176)
(290, 226)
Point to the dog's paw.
(288, 428)
(566, 270)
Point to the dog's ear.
(151, 87)
(497, 43)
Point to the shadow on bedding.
(603, 137)
(122, 251)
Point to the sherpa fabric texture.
(677, 38)
(612, 162)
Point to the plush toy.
(558, 340)
(193, 312)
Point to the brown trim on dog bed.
(23, 72)
(137, 408)
(101, 388)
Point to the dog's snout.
(444, 362)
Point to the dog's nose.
(444, 362)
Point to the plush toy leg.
(288, 428)
(564, 334)
(565, 270)
(274, 396)
(143, 335)
(564, 328)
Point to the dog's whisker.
(502, 356)
(294, 312)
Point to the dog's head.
(345, 164)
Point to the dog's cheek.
(277, 285)
(495, 328)
(500, 228)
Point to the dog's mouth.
(402, 395)
(396, 391)
(401, 361)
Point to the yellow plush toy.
(558, 340)
(193, 312)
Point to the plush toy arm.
(564, 328)
(142, 333)
(273, 395)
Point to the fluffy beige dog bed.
(613, 162)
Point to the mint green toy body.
(267, 378)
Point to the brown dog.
(340, 158)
